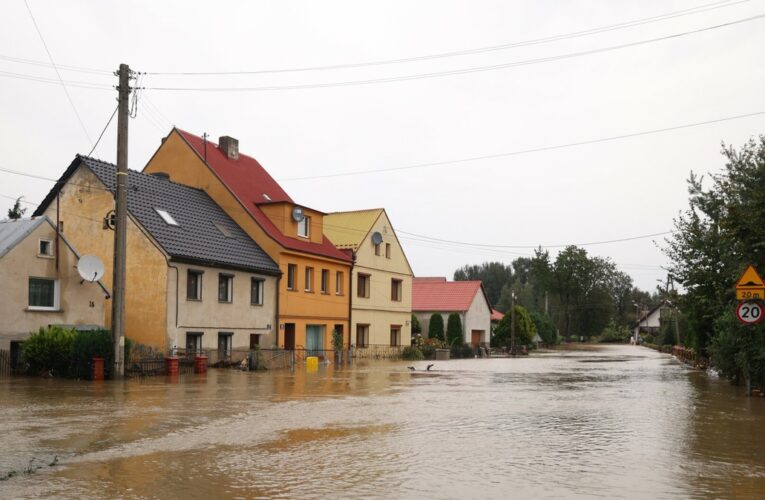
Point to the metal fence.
(377, 351)
(5, 363)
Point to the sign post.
(750, 285)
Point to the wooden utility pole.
(120, 230)
(512, 322)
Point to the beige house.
(381, 295)
(41, 284)
(195, 280)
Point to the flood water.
(609, 422)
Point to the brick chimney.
(229, 146)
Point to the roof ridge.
(154, 178)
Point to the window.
(338, 283)
(45, 248)
(362, 335)
(309, 279)
(256, 291)
(363, 285)
(254, 341)
(224, 230)
(43, 294)
(225, 287)
(225, 344)
(395, 335)
(387, 250)
(325, 281)
(377, 249)
(166, 217)
(291, 275)
(395, 289)
(194, 285)
(304, 227)
(193, 342)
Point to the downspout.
(350, 300)
(58, 227)
(276, 311)
(177, 303)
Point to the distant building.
(650, 321)
(381, 298)
(195, 280)
(41, 285)
(467, 298)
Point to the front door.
(314, 339)
(475, 337)
(289, 336)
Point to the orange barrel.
(171, 366)
(97, 369)
(200, 364)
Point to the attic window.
(268, 198)
(224, 230)
(166, 217)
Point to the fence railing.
(5, 363)
(376, 351)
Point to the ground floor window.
(314, 339)
(43, 293)
(225, 341)
(193, 342)
(395, 335)
(362, 335)
(254, 340)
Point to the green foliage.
(436, 327)
(493, 275)
(337, 340)
(545, 327)
(47, 351)
(525, 330)
(412, 353)
(87, 345)
(615, 333)
(416, 326)
(16, 212)
(738, 351)
(461, 351)
(454, 335)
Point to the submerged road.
(608, 422)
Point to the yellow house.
(194, 280)
(313, 292)
(381, 298)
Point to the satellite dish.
(297, 214)
(90, 268)
(377, 238)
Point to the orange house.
(314, 291)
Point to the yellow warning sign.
(750, 285)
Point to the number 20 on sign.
(749, 313)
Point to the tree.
(494, 275)
(416, 327)
(454, 335)
(545, 327)
(524, 329)
(436, 327)
(16, 212)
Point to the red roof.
(496, 315)
(429, 294)
(249, 181)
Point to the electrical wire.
(439, 74)
(58, 74)
(522, 151)
(42, 79)
(456, 53)
(62, 67)
(104, 130)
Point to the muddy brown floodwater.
(609, 422)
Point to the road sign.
(750, 285)
(750, 313)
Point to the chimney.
(229, 146)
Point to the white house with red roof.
(467, 298)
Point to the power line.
(63, 67)
(463, 71)
(456, 53)
(42, 79)
(104, 130)
(58, 74)
(523, 151)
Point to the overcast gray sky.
(594, 192)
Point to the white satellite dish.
(90, 268)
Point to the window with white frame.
(339, 283)
(309, 279)
(256, 291)
(325, 281)
(304, 227)
(43, 294)
(225, 287)
(194, 284)
(291, 276)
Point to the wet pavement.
(608, 422)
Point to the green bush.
(416, 327)
(48, 350)
(428, 351)
(525, 330)
(462, 351)
(436, 327)
(88, 345)
(545, 327)
(614, 333)
(454, 330)
(411, 353)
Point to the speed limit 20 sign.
(749, 313)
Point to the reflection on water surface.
(611, 422)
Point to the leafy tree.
(454, 335)
(525, 330)
(494, 275)
(436, 327)
(16, 212)
(545, 327)
(416, 327)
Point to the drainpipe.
(177, 305)
(276, 311)
(350, 300)
(58, 226)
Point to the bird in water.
(411, 368)
(429, 367)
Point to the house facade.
(194, 280)
(314, 292)
(381, 297)
(466, 298)
(41, 284)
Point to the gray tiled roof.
(196, 237)
(14, 231)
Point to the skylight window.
(224, 230)
(166, 217)
(268, 198)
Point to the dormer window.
(166, 217)
(304, 227)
